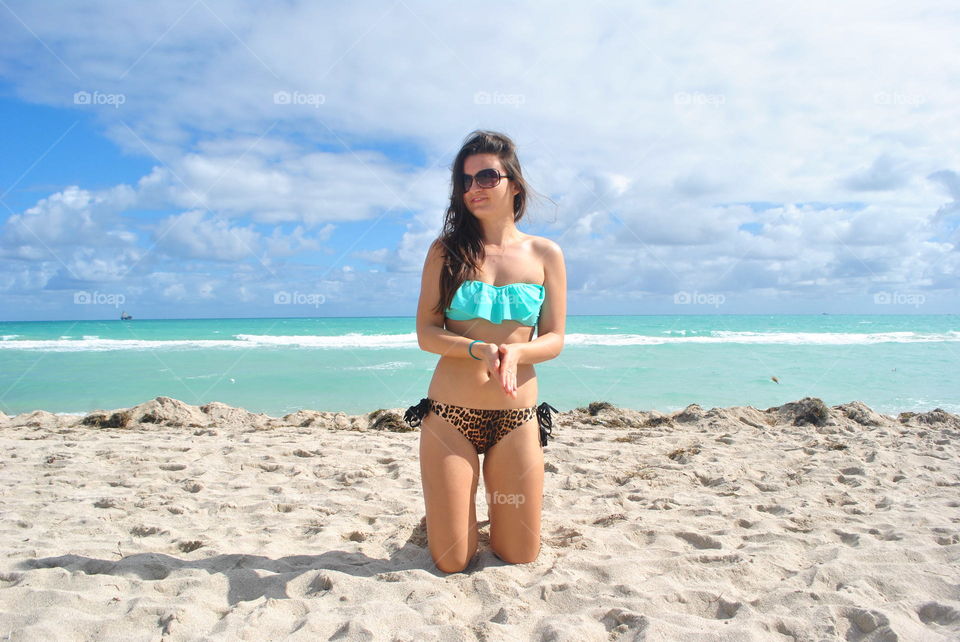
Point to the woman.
(485, 286)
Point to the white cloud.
(884, 174)
(194, 235)
(71, 238)
(71, 216)
(278, 245)
(175, 291)
(312, 188)
(374, 256)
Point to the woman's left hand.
(509, 356)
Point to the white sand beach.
(176, 522)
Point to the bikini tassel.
(415, 414)
(545, 421)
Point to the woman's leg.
(450, 470)
(513, 475)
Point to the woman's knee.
(451, 566)
(453, 562)
(452, 550)
(518, 555)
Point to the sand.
(176, 522)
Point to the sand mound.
(228, 416)
(690, 414)
(324, 419)
(862, 414)
(935, 418)
(164, 411)
(37, 419)
(808, 410)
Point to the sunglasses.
(485, 178)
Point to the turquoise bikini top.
(497, 303)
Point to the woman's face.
(491, 200)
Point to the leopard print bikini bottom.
(484, 427)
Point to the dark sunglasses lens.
(488, 177)
(467, 182)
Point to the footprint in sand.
(850, 539)
(564, 537)
(351, 477)
(888, 536)
(868, 621)
(849, 481)
(773, 509)
(619, 621)
(609, 520)
(320, 585)
(936, 613)
(145, 531)
(699, 541)
(393, 466)
(708, 605)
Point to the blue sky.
(202, 158)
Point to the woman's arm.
(431, 335)
(448, 344)
(553, 316)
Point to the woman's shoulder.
(543, 246)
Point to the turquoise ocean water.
(892, 363)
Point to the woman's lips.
(476, 200)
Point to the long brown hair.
(461, 238)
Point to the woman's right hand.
(490, 353)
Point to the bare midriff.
(465, 382)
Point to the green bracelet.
(471, 351)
